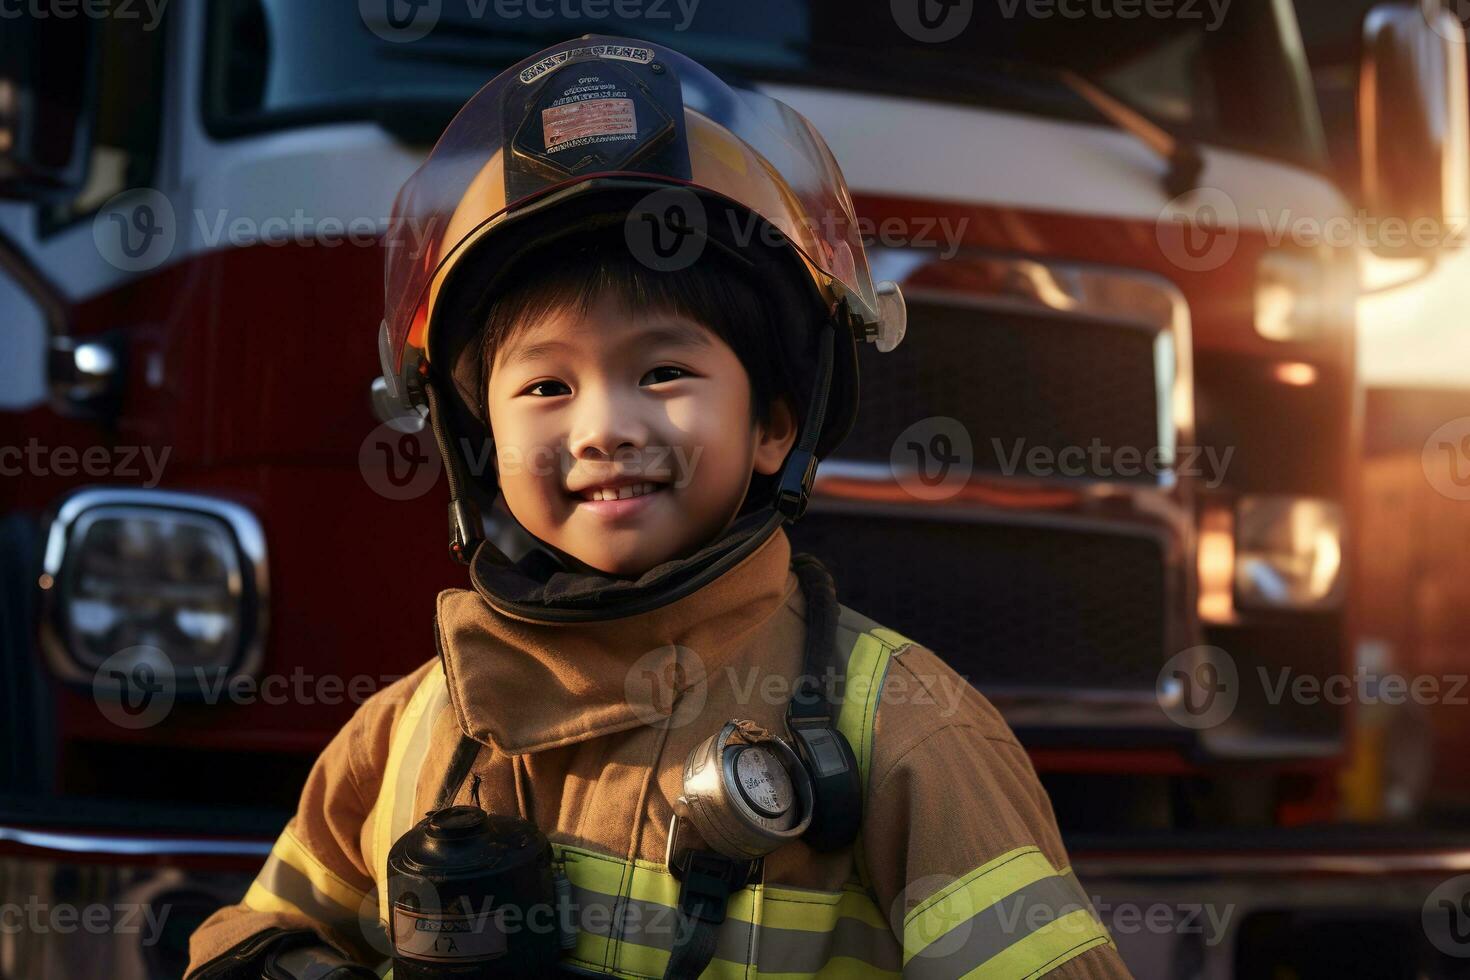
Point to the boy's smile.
(626, 439)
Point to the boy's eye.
(542, 384)
(667, 367)
(533, 389)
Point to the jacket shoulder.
(919, 695)
(369, 732)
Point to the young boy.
(638, 294)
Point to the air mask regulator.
(745, 794)
(476, 896)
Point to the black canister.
(472, 895)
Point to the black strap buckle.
(711, 867)
(706, 882)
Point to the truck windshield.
(1227, 74)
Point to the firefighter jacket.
(584, 728)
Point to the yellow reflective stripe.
(261, 900)
(826, 934)
(291, 851)
(650, 882)
(867, 667)
(977, 891)
(293, 878)
(835, 934)
(893, 638)
(837, 968)
(1045, 949)
(1012, 917)
(814, 911)
(295, 882)
(392, 814)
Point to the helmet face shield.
(599, 108)
(624, 143)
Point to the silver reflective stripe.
(650, 924)
(990, 932)
(285, 882)
(777, 950)
(799, 951)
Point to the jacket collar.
(522, 685)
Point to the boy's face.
(617, 397)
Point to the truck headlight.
(1288, 552)
(181, 573)
(1302, 295)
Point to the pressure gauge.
(745, 793)
(762, 781)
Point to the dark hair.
(714, 292)
(711, 292)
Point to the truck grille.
(1003, 604)
(1014, 379)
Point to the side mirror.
(1414, 121)
(45, 104)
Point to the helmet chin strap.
(464, 517)
(469, 546)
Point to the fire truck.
(1108, 475)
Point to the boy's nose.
(606, 426)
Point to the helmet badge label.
(623, 52)
(590, 115)
(593, 120)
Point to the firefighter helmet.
(619, 134)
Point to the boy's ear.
(774, 440)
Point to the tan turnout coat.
(584, 728)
